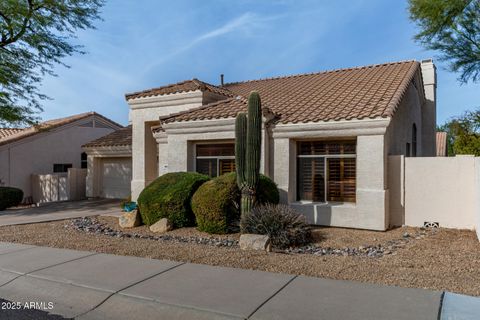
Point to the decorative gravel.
(92, 225)
(108, 228)
(440, 260)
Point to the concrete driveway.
(60, 211)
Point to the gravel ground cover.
(439, 260)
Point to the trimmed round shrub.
(282, 224)
(169, 196)
(10, 197)
(216, 203)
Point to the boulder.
(161, 226)
(130, 219)
(255, 242)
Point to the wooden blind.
(326, 147)
(311, 180)
(207, 166)
(341, 175)
(215, 150)
(227, 165)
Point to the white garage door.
(117, 174)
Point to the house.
(53, 146)
(326, 136)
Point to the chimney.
(221, 79)
(429, 109)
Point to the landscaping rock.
(161, 226)
(130, 219)
(255, 242)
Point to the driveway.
(60, 211)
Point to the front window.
(61, 167)
(326, 171)
(84, 161)
(215, 159)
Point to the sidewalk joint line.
(129, 286)
(274, 294)
(440, 307)
(28, 273)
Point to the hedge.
(10, 197)
(216, 203)
(169, 197)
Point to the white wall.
(443, 190)
(37, 154)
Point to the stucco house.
(326, 136)
(53, 146)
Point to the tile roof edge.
(392, 106)
(319, 72)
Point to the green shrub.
(10, 197)
(169, 197)
(216, 203)
(282, 224)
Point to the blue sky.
(149, 43)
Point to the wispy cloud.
(246, 23)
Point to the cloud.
(246, 22)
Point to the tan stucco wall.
(37, 154)
(443, 190)
(145, 113)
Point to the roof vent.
(221, 79)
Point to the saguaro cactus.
(248, 140)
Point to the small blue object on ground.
(130, 206)
(460, 307)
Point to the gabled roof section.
(5, 132)
(184, 86)
(119, 138)
(52, 124)
(355, 93)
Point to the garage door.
(117, 174)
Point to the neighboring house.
(110, 165)
(53, 146)
(326, 136)
(442, 144)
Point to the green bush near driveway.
(169, 196)
(10, 197)
(216, 203)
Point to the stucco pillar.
(178, 154)
(429, 109)
(162, 155)
(284, 173)
(94, 174)
(372, 200)
(144, 160)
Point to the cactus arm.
(240, 142)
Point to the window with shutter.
(215, 159)
(326, 171)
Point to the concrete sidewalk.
(86, 285)
(60, 211)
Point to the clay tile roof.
(184, 86)
(49, 125)
(5, 132)
(344, 94)
(121, 137)
(441, 144)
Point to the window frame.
(325, 169)
(84, 161)
(218, 158)
(64, 166)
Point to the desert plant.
(216, 202)
(248, 139)
(10, 197)
(282, 224)
(169, 197)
